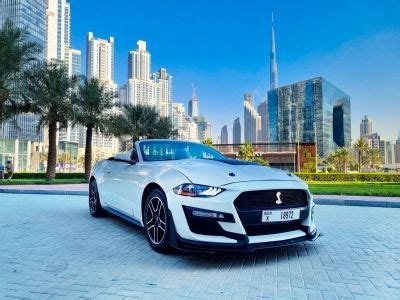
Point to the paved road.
(50, 247)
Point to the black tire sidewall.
(164, 245)
(99, 211)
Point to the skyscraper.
(30, 15)
(17, 135)
(100, 59)
(164, 82)
(193, 107)
(273, 65)
(75, 62)
(145, 88)
(139, 62)
(262, 110)
(224, 135)
(185, 125)
(252, 120)
(365, 126)
(237, 132)
(298, 111)
(397, 150)
(100, 65)
(58, 31)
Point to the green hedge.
(43, 176)
(329, 177)
(366, 177)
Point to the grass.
(383, 189)
(42, 181)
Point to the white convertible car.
(189, 196)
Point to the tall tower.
(100, 59)
(273, 66)
(194, 104)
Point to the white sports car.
(189, 196)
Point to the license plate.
(280, 215)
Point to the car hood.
(219, 173)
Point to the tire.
(156, 221)
(95, 208)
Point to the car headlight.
(197, 190)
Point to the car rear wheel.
(156, 221)
(95, 208)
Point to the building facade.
(365, 126)
(252, 120)
(185, 125)
(224, 135)
(19, 134)
(236, 132)
(396, 149)
(310, 111)
(75, 62)
(193, 105)
(144, 87)
(262, 110)
(100, 59)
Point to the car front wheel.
(156, 221)
(95, 208)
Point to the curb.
(340, 202)
(358, 202)
(43, 192)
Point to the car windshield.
(175, 150)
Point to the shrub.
(366, 177)
(43, 176)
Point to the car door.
(126, 185)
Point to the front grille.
(266, 199)
(273, 228)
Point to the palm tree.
(344, 158)
(163, 129)
(361, 146)
(92, 109)
(246, 151)
(16, 52)
(47, 92)
(340, 159)
(207, 142)
(140, 121)
(373, 158)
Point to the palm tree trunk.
(88, 152)
(52, 155)
(359, 161)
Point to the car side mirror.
(134, 156)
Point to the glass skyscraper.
(29, 14)
(310, 111)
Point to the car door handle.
(109, 170)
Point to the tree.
(207, 142)
(47, 93)
(163, 129)
(373, 158)
(92, 109)
(340, 159)
(361, 146)
(247, 153)
(16, 52)
(140, 121)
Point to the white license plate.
(280, 215)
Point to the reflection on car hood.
(222, 172)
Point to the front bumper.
(231, 234)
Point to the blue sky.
(222, 47)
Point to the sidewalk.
(82, 190)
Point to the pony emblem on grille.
(278, 198)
